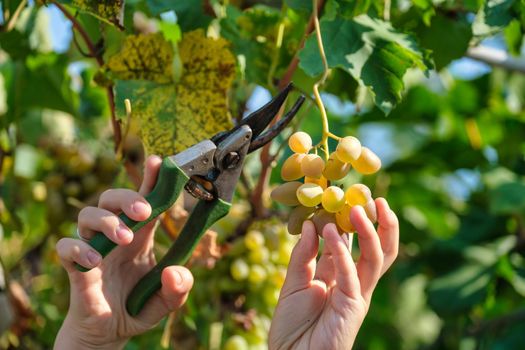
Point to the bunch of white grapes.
(316, 199)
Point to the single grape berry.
(322, 218)
(291, 169)
(348, 149)
(320, 181)
(333, 199)
(312, 166)
(342, 218)
(285, 193)
(300, 142)
(297, 216)
(310, 195)
(367, 163)
(335, 169)
(239, 269)
(358, 194)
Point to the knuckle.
(105, 196)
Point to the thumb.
(301, 268)
(176, 285)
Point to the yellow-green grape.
(296, 218)
(300, 142)
(358, 194)
(39, 191)
(271, 295)
(309, 195)
(285, 193)
(333, 199)
(348, 149)
(239, 269)
(291, 169)
(312, 166)
(367, 163)
(277, 277)
(371, 211)
(236, 342)
(322, 181)
(257, 274)
(322, 218)
(335, 169)
(259, 256)
(285, 250)
(254, 240)
(342, 219)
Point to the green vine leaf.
(371, 51)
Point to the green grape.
(236, 342)
(285, 251)
(309, 195)
(259, 256)
(39, 191)
(270, 295)
(367, 163)
(277, 277)
(312, 166)
(335, 169)
(322, 218)
(342, 218)
(286, 193)
(333, 199)
(296, 218)
(291, 169)
(321, 181)
(348, 149)
(239, 269)
(300, 142)
(257, 274)
(254, 240)
(358, 194)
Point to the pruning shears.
(209, 171)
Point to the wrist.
(72, 337)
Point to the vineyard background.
(435, 88)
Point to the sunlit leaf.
(143, 57)
(371, 51)
(493, 17)
(174, 116)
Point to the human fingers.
(92, 220)
(177, 282)
(301, 268)
(127, 201)
(71, 251)
(151, 171)
(388, 231)
(346, 277)
(370, 262)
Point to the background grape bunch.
(318, 198)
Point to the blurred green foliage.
(453, 152)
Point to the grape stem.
(326, 71)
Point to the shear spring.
(198, 191)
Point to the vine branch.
(495, 57)
(256, 199)
(117, 133)
(12, 19)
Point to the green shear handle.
(171, 181)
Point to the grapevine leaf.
(508, 198)
(492, 18)
(445, 50)
(110, 11)
(143, 57)
(170, 117)
(345, 8)
(514, 37)
(371, 51)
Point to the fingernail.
(93, 257)
(140, 207)
(123, 232)
(178, 278)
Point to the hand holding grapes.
(322, 304)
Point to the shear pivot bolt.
(231, 160)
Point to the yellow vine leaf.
(172, 116)
(143, 57)
(111, 11)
